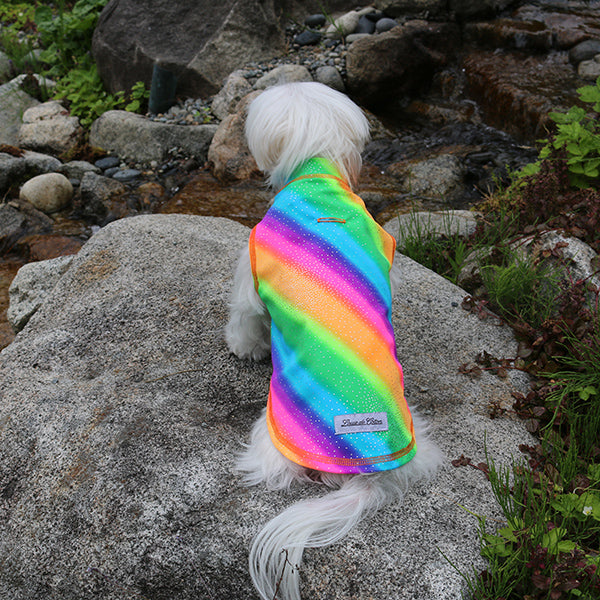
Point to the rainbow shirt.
(321, 266)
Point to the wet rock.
(31, 287)
(18, 219)
(201, 42)
(307, 38)
(12, 225)
(365, 25)
(49, 192)
(385, 24)
(235, 88)
(8, 270)
(244, 201)
(584, 51)
(48, 127)
(537, 28)
(516, 92)
(76, 169)
(37, 163)
(228, 155)
(108, 162)
(317, 20)
(330, 76)
(569, 22)
(12, 169)
(512, 34)
(400, 8)
(125, 411)
(399, 62)
(283, 74)
(439, 178)
(135, 137)
(126, 174)
(149, 194)
(477, 9)
(45, 246)
(100, 197)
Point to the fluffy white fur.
(286, 126)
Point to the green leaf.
(585, 393)
(551, 539)
(566, 546)
(133, 106)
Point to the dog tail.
(276, 551)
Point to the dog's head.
(293, 122)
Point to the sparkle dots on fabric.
(321, 265)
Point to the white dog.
(314, 289)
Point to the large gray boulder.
(384, 68)
(201, 42)
(121, 411)
(133, 136)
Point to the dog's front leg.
(248, 331)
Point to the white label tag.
(360, 422)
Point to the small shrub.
(577, 135)
(521, 289)
(443, 252)
(67, 36)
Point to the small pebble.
(307, 38)
(107, 162)
(111, 171)
(126, 174)
(317, 20)
(385, 24)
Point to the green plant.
(574, 400)
(67, 36)
(521, 288)
(578, 135)
(329, 18)
(443, 252)
(16, 37)
(17, 16)
(138, 97)
(82, 88)
(548, 546)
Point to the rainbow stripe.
(321, 265)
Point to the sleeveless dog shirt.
(321, 266)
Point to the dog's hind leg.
(247, 332)
(262, 463)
